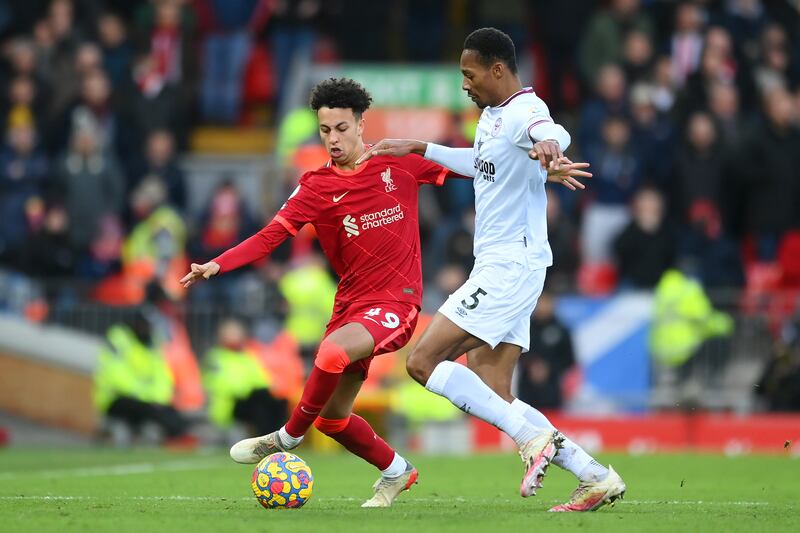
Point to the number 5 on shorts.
(475, 300)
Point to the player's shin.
(469, 393)
(325, 375)
(355, 434)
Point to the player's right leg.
(349, 343)
(598, 485)
(354, 433)
(430, 364)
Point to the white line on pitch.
(114, 470)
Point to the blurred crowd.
(688, 112)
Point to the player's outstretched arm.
(457, 160)
(200, 272)
(566, 173)
(394, 147)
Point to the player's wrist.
(419, 148)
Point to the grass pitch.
(146, 491)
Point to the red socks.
(318, 390)
(359, 438)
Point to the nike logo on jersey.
(337, 198)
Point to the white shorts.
(496, 302)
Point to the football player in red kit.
(365, 217)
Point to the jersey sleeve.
(535, 124)
(428, 172)
(254, 248)
(299, 209)
(425, 171)
(295, 213)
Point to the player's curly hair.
(341, 93)
(492, 45)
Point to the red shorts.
(391, 325)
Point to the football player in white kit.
(489, 316)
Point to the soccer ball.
(282, 481)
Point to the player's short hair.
(341, 93)
(492, 45)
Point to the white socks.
(396, 468)
(571, 457)
(287, 440)
(469, 393)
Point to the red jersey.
(367, 224)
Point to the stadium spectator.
(686, 42)
(776, 68)
(664, 91)
(724, 107)
(23, 180)
(238, 386)
(89, 183)
(646, 247)
(114, 133)
(293, 32)
(560, 48)
(772, 171)
(610, 99)
(563, 238)
(541, 370)
(155, 247)
(117, 49)
(132, 382)
(700, 167)
(604, 39)
(707, 252)
(22, 103)
(717, 64)
(47, 253)
(638, 57)
(653, 134)
(160, 163)
(227, 52)
(779, 385)
(617, 171)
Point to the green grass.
(148, 491)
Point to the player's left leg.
(354, 433)
(598, 485)
(351, 342)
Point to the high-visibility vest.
(127, 367)
(230, 376)
(142, 244)
(309, 291)
(683, 318)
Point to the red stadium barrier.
(703, 432)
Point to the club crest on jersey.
(386, 176)
(497, 125)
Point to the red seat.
(789, 259)
(597, 279)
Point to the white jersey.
(510, 199)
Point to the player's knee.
(331, 426)
(419, 367)
(331, 357)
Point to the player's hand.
(567, 172)
(200, 272)
(547, 153)
(393, 147)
